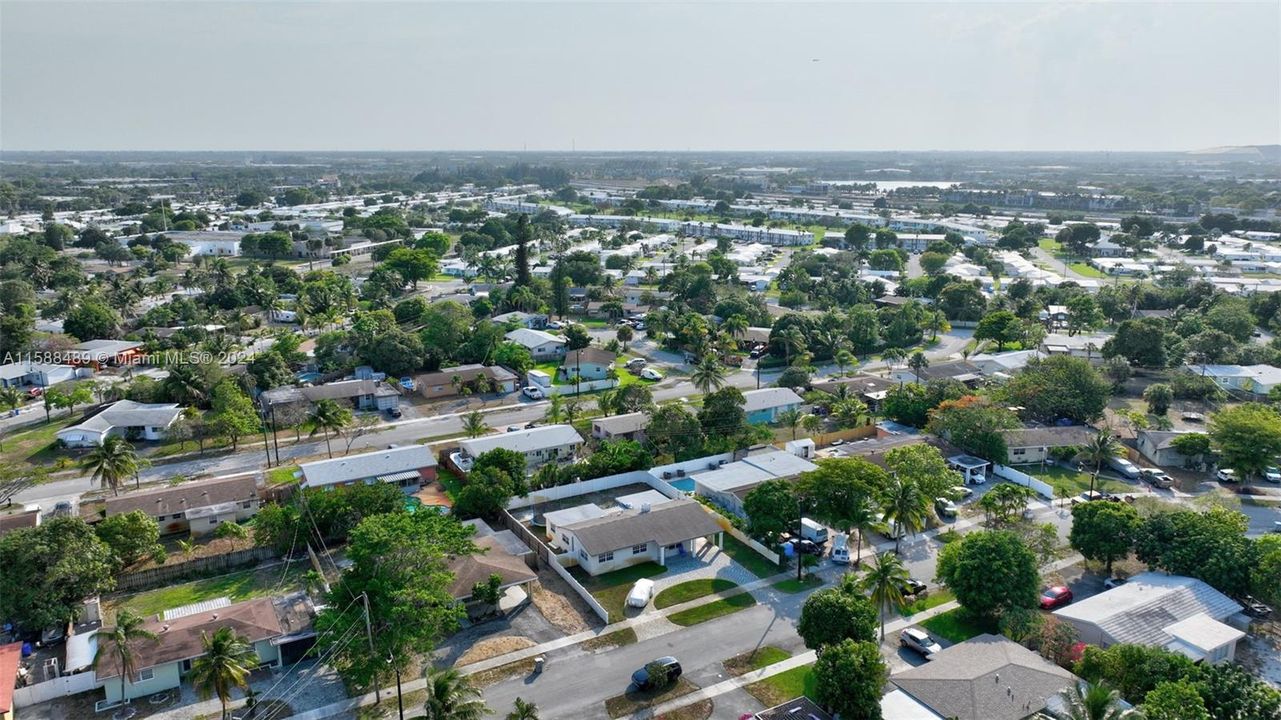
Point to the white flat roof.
(1203, 632)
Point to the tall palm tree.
(906, 506)
(708, 375)
(555, 409)
(1101, 447)
(572, 410)
(1090, 701)
(844, 358)
(118, 643)
(185, 384)
(10, 397)
(112, 462)
(606, 400)
(884, 582)
(793, 341)
(328, 417)
(522, 710)
(225, 666)
(790, 419)
(736, 325)
(474, 424)
(451, 696)
(917, 363)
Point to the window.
(582, 555)
(1018, 451)
(605, 557)
(640, 549)
(246, 505)
(146, 674)
(564, 540)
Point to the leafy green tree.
(50, 569)
(451, 696)
(1177, 700)
(722, 417)
(400, 562)
(1103, 531)
(487, 492)
(884, 583)
(1246, 437)
(842, 494)
(514, 357)
(412, 265)
(91, 320)
(1209, 546)
(1158, 397)
(577, 337)
(232, 412)
(328, 417)
(975, 425)
(849, 677)
(269, 370)
(1059, 386)
(676, 432)
(771, 509)
(1001, 327)
(1230, 691)
(1083, 314)
(1145, 342)
(1266, 576)
(131, 536)
(117, 643)
(922, 465)
(111, 463)
(225, 665)
(1006, 501)
(835, 614)
(990, 572)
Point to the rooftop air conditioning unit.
(680, 473)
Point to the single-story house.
(646, 534)
(589, 363)
(533, 321)
(195, 507)
(473, 378)
(1083, 345)
(363, 394)
(32, 374)
(494, 558)
(801, 708)
(764, 405)
(542, 345)
(1005, 363)
(279, 631)
(10, 661)
(988, 677)
(629, 426)
(1055, 317)
(728, 483)
(132, 420)
(962, 371)
(18, 517)
(408, 467)
(569, 516)
(1178, 613)
(106, 352)
(539, 445)
(1033, 445)
(1253, 379)
(1158, 447)
(868, 388)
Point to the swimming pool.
(683, 484)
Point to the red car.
(1055, 597)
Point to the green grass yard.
(1071, 482)
(691, 590)
(712, 610)
(740, 553)
(450, 481)
(755, 660)
(784, 686)
(932, 599)
(237, 586)
(35, 445)
(282, 475)
(955, 625)
(611, 589)
(792, 585)
(1086, 270)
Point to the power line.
(302, 680)
(300, 660)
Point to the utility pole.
(275, 441)
(369, 633)
(262, 412)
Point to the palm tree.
(708, 375)
(522, 710)
(328, 417)
(451, 696)
(893, 356)
(185, 384)
(736, 325)
(555, 409)
(884, 582)
(118, 643)
(1100, 448)
(112, 462)
(474, 424)
(793, 340)
(10, 397)
(811, 423)
(606, 400)
(844, 358)
(918, 362)
(1090, 701)
(572, 409)
(790, 419)
(906, 506)
(225, 666)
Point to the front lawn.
(744, 663)
(1069, 482)
(955, 625)
(792, 585)
(712, 610)
(691, 590)
(789, 684)
(740, 553)
(34, 445)
(611, 589)
(237, 586)
(282, 475)
(1086, 270)
(931, 599)
(450, 481)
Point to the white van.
(841, 549)
(1124, 467)
(813, 532)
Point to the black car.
(643, 681)
(394, 412)
(913, 587)
(1254, 608)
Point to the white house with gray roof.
(539, 445)
(126, 418)
(727, 483)
(407, 467)
(764, 405)
(542, 345)
(1177, 613)
(650, 533)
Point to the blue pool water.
(683, 484)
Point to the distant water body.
(896, 184)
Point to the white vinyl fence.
(55, 688)
(1008, 473)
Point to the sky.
(355, 75)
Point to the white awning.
(81, 650)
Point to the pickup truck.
(1156, 478)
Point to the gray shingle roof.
(548, 436)
(1140, 610)
(988, 677)
(766, 398)
(185, 496)
(367, 465)
(1048, 436)
(672, 522)
(127, 413)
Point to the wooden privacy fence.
(196, 567)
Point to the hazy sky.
(646, 76)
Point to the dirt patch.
(493, 676)
(493, 647)
(633, 701)
(700, 710)
(618, 638)
(561, 606)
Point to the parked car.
(635, 364)
(1054, 597)
(965, 492)
(651, 374)
(641, 593)
(1272, 475)
(555, 325)
(945, 507)
(1113, 582)
(533, 392)
(1124, 468)
(408, 383)
(841, 549)
(806, 547)
(920, 641)
(1156, 478)
(1088, 496)
(514, 428)
(35, 392)
(394, 412)
(1227, 475)
(642, 680)
(1254, 608)
(914, 587)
